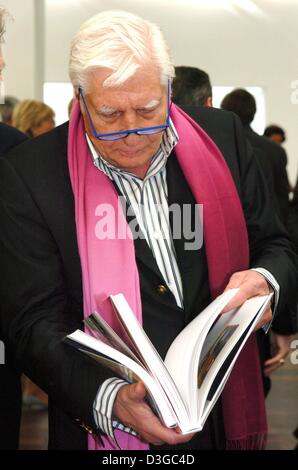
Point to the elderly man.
(56, 265)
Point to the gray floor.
(282, 406)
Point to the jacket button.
(161, 289)
(83, 425)
(87, 428)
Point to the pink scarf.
(109, 266)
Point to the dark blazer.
(10, 388)
(293, 229)
(39, 261)
(273, 160)
(293, 218)
(9, 138)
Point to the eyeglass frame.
(126, 133)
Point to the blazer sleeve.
(293, 218)
(35, 310)
(9, 138)
(270, 246)
(281, 183)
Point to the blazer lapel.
(192, 262)
(142, 250)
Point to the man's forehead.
(145, 79)
(118, 98)
(106, 108)
(142, 90)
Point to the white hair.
(119, 41)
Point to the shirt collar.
(169, 141)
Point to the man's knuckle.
(171, 440)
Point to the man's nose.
(129, 123)
(132, 139)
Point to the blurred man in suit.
(277, 135)
(191, 86)
(273, 160)
(10, 387)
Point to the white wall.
(236, 47)
(255, 46)
(19, 49)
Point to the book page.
(183, 355)
(117, 368)
(216, 347)
(125, 373)
(150, 357)
(100, 329)
(88, 344)
(221, 378)
(222, 347)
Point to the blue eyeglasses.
(123, 134)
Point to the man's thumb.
(138, 391)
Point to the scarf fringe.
(252, 442)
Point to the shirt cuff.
(276, 290)
(103, 408)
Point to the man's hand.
(251, 284)
(283, 348)
(131, 409)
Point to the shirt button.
(161, 289)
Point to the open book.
(184, 387)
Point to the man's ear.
(208, 103)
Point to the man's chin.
(131, 155)
(133, 165)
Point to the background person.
(33, 117)
(6, 109)
(191, 86)
(10, 385)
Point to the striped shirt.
(148, 199)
